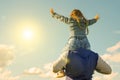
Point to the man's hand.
(60, 74)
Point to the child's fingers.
(97, 17)
(51, 11)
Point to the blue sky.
(49, 35)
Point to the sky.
(30, 39)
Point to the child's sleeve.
(61, 18)
(92, 21)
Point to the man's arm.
(103, 67)
(60, 63)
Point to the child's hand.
(51, 11)
(97, 17)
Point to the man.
(80, 65)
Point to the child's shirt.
(76, 29)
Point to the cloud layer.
(46, 72)
(112, 57)
(114, 48)
(7, 75)
(113, 54)
(32, 71)
(106, 77)
(6, 56)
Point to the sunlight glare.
(28, 34)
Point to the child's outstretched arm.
(94, 20)
(59, 17)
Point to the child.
(78, 30)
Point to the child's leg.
(103, 67)
(87, 44)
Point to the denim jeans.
(76, 43)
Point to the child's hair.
(77, 15)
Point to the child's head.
(76, 14)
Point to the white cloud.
(114, 48)
(46, 72)
(112, 57)
(48, 67)
(7, 75)
(106, 77)
(33, 71)
(110, 77)
(6, 55)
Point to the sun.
(27, 34)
